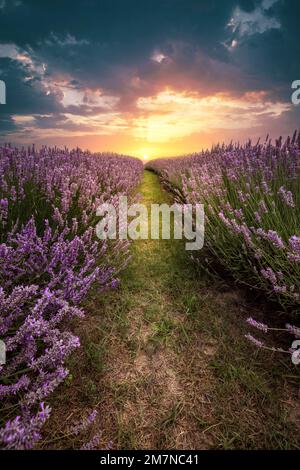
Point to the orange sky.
(167, 123)
(147, 79)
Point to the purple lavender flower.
(83, 424)
(294, 249)
(286, 196)
(48, 266)
(260, 326)
(276, 240)
(293, 330)
(23, 433)
(93, 443)
(255, 341)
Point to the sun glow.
(171, 115)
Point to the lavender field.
(49, 260)
(251, 194)
(149, 232)
(251, 197)
(95, 327)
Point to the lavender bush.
(252, 205)
(49, 259)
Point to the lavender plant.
(252, 204)
(49, 259)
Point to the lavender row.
(251, 195)
(49, 259)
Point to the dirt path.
(165, 362)
(148, 372)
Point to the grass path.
(165, 362)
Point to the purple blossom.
(255, 341)
(21, 384)
(83, 424)
(286, 196)
(269, 274)
(260, 326)
(293, 330)
(276, 240)
(93, 443)
(23, 433)
(294, 249)
(272, 236)
(47, 268)
(227, 175)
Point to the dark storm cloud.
(7, 125)
(25, 96)
(209, 46)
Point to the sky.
(148, 78)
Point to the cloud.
(11, 3)
(13, 52)
(267, 4)
(65, 91)
(86, 98)
(165, 117)
(106, 70)
(170, 115)
(66, 40)
(9, 51)
(158, 56)
(244, 24)
(255, 22)
(7, 124)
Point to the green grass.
(165, 361)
